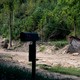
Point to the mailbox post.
(32, 48)
(33, 59)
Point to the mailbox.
(29, 36)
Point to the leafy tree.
(50, 18)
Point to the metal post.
(33, 37)
(34, 61)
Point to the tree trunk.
(10, 30)
(75, 27)
(10, 22)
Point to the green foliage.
(52, 19)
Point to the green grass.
(62, 70)
(60, 43)
(17, 73)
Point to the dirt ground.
(49, 56)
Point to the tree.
(10, 21)
(8, 8)
(43, 16)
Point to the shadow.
(10, 70)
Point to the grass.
(17, 73)
(13, 73)
(60, 43)
(62, 70)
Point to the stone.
(74, 45)
(75, 54)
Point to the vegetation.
(60, 43)
(17, 73)
(62, 70)
(12, 73)
(52, 19)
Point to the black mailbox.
(29, 36)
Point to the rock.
(71, 49)
(75, 54)
(74, 46)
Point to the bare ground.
(48, 56)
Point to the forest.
(51, 19)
